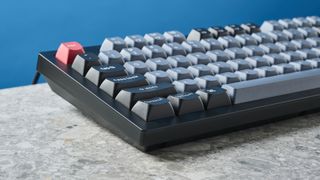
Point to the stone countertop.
(44, 137)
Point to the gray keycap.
(193, 46)
(275, 58)
(315, 20)
(271, 26)
(287, 46)
(308, 53)
(199, 33)
(186, 85)
(278, 36)
(266, 71)
(270, 48)
(247, 74)
(155, 38)
(220, 67)
(315, 41)
(154, 51)
(158, 64)
(262, 37)
(198, 58)
(184, 103)
(288, 23)
(239, 64)
(199, 70)
(292, 56)
(173, 49)
(258, 89)
(179, 73)
(228, 77)
(246, 39)
(179, 61)
(113, 43)
(218, 55)
(174, 36)
(155, 77)
(236, 53)
(302, 44)
(135, 41)
(229, 41)
(207, 81)
(315, 63)
(254, 50)
(284, 68)
(211, 44)
(136, 67)
(308, 32)
(97, 74)
(301, 65)
(153, 109)
(214, 97)
(132, 54)
(111, 57)
(293, 34)
(301, 21)
(83, 62)
(257, 61)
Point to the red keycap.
(67, 51)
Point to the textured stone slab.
(44, 137)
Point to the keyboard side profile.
(150, 111)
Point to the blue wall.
(28, 27)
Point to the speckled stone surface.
(44, 137)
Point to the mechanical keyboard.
(166, 88)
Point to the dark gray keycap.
(275, 58)
(301, 65)
(128, 97)
(315, 20)
(198, 58)
(136, 67)
(154, 51)
(193, 46)
(270, 48)
(262, 37)
(287, 46)
(132, 54)
(174, 36)
(173, 49)
(218, 31)
(278, 36)
(186, 85)
(234, 29)
(315, 41)
(247, 74)
(214, 97)
(257, 61)
(229, 41)
(111, 57)
(220, 67)
(135, 41)
(158, 64)
(207, 81)
(266, 71)
(218, 55)
(236, 53)
(254, 50)
(308, 32)
(314, 62)
(262, 88)
(179, 73)
(288, 23)
(284, 68)
(250, 27)
(301, 21)
(153, 109)
(184, 103)
(228, 77)
(316, 49)
(293, 34)
(83, 62)
(155, 38)
(156, 77)
(292, 56)
(114, 85)
(113, 43)
(179, 61)
(302, 44)
(246, 39)
(199, 70)
(308, 53)
(97, 74)
(239, 64)
(199, 33)
(211, 44)
(268, 26)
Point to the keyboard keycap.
(186, 85)
(302, 22)
(184, 103)
(250, 28)
(214, 97)
(287, 46)
(154, 51)
(136, 67)
(258, 89)
(246, 39)
(228, 77)
(284, 68)
(292, 56)
(179, 61)
(262, 37)
(308, 32)
(199, 33)
(234, 29)
(236, 53)
(198, 58)
(288, 24)
(132, 54)
(293, 34)
(301, 65)
(239, 64)
(211, 44)
(158, 64)
(278, 36)
(266, 71)
(315, 41)
(315, 20)
(153, 109)
(174, 36)
(128, 97)
(174, 48)
(114, 85)
(97, 74)
(268, 26)
(207, 81)
(220, 67)
(270, 48)
(67, 52)
(111, 57)
(257, 61)
(229, 41)
(247, 74)
(179, 73)
(302, 44)
(155, 39)
(275, 58)
(218, 55)
(84, 62)
(199, 70)
(113, 43)
(193, 46)
(156, 77)
(308, 53)
(254, 50)
(315, 63)
(135, 41)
